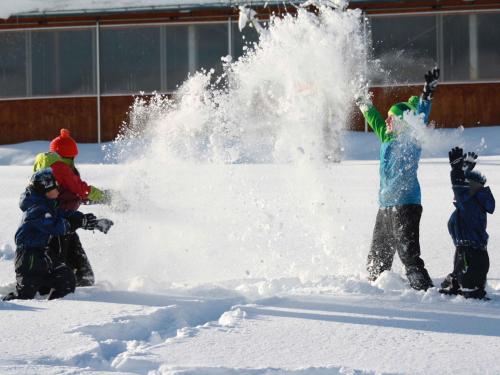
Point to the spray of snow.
(283, 103)
(432, 140)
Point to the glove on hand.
(456, 156)
(363, 100)
(431, 82)
(103, 225)
(469, 161)
(76, 220)
(89, 222)
(362, 97)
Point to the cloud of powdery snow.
(231, 178)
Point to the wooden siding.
(40, 119)
(114, 111)
(454, 104)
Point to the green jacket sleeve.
(96, 195)
(377, 123)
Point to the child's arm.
(457, 175)
(461, 194)
(67, 178)
(424, 106)
(372, 116)
(47, 222)
(424, 103)
(377, 123)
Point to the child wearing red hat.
(73, 191)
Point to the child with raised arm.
(467, 227)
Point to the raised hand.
(456, 156)
(469, 161)
(431, 82)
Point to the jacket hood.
(486, 199)
(31, 198)
(46, 159)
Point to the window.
(488, 36)
(206, 47)
(62, 62)
(177, 56)
(242, 39)
(13, 64)
(456, 57)
(130, 59)
(405, 45)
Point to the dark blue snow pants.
(35, 272)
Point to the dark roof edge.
(180, 6)
(151, 8)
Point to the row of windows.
(132, 59)
(159, 58)
(466, 46)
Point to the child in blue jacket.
(35, 269)
(467, 227)
(397, 226)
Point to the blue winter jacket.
(467, 224)
(41, 220)
(399, 158)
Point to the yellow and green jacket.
(73, 190)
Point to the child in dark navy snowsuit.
(35, 270)
(467, 227)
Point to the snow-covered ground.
(252, 269)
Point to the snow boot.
(419, 279)
(450, 285)
(478, 293)
(9, 297)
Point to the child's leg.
(32, 269)
(77, 260)
(407, 224)
(383, 247)
(474, 264)
(450, 282)
(58, 249)
(62, 281)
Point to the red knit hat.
(64, 145)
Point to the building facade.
(81, 69)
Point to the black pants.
(68, 249)
(37, 272)
(397, 229)
(471, 265)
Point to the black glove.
(469, 161)
(103, 225)
(89, 222)
(431, 82)
(76, 220)
(456, 156)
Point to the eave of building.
(221, 10)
